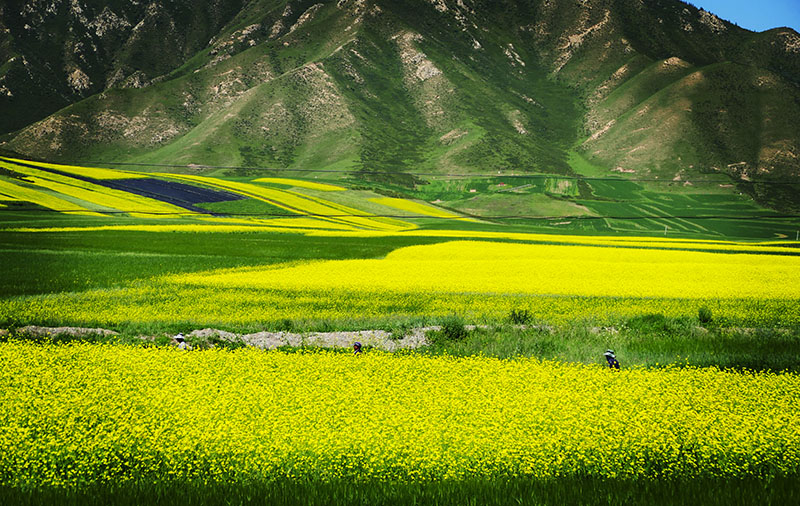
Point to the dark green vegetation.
(391, 91)
(43, 262)
(649, 341)
(585, 491)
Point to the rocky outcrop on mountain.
(57, 52)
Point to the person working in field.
(611, 358)
(356, 348)
(182, 344)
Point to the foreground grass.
(646, 341)
(584, 490)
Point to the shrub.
(285, 325)
(453, 329)
(704, 315)
(520, 316)
(399, 330)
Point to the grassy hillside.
(392, 91)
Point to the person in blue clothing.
(612, 359)
(356, 348)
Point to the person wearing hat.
(356, 348)
(612, 359)
(181, 341)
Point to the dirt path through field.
(379, 339)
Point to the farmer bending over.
(612, 359)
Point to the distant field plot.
(416, 208)
(704, 211)
(604, 203)
(89, 172)
(177, 194)
(319, 209)
(532, 203)
(21, 191)
(100, 195)
(480, 281)
(139, 194)
(300, 184)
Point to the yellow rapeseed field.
(92, 172)
(100, 197)
(481, 281)
(110, 199)
(300, 183)
(80, 414)
(22, 192)
(416, 208)
(510, 269)
(320, 209)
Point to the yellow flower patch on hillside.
(45, 199)
(92, 172)
(416, 208)
(320, 209)
(300, 183)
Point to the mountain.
(392, 90)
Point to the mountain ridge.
(655, 89)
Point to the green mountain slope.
(391, 90)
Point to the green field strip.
(42, 198)
(649, 210)
(245, 206)
(668, 220)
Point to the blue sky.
(757, 15)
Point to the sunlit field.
(127, 416)
(479, 280)
(519, 408)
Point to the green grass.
(44, 262)
(586, 491)
(246, 206)
(651, 341)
